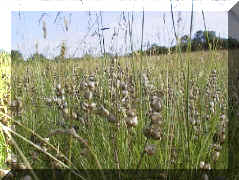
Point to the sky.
(26, 29)
(79, 39)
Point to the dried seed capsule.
(91, 78)
(104, 111)
(222, 117)
(156, 135)
(207, 166)
(156, 118)
(216, 155)
(66, 111)
(123, 86)
(92, 106)
(76, 128)
(211, 104)
(59, 101)
(150, 149)
(85, 106)
(19, 104)
(46, 139)
(125, 93)
(112, 118)
(193, 122)
(131, 112)
(151, 132)
(65, 104)
(156, 105)
(49, 101)
(74, 115)
(61, 92)
(91, 85)
(214, 71)
(132, 121)
(83, 85)
(14, 103)
(11, 160)
(217, 147)
(88, 95)
(54, 99)
(147, 131)
(202, 164)
(58, 87)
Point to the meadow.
(5, 73)
(151, 112)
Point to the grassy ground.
(158, 112)
(5, 73)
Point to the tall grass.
(139, 112)
(5, 74)
(40, 118)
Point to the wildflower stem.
(142, 154)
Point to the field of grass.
(158, 112)
(5, 73)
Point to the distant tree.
(222, 43)
(87, 56)
(203, 40)
(16, 56)
(210, 35)
(232, 43)
(37, 57)
(199, 37)
(184, 39)
(108, 55)
(155, 50)
(197, 41)
(184, 42)
(57, 58)
(210, 38)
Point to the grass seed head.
(216, 155)
(125, 93)
(207, 166)
(112, 118)
(123, 86)
(91, 85)
(152, 132)
(92, 106)
(74, 115)
(58, 87)
(132, 121)
(66, 111)
(88, 95)
(202, 164)
(156, 118)
(150, 149)
(85, 106)
(156, 104)
(131, 112)
(104, 111)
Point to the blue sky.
(27, 31)
(24, 33)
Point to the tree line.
(202, 40)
